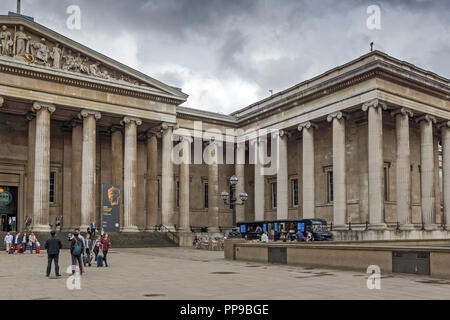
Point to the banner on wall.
(111, 199)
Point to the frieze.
(21, 45)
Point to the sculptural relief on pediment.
(22, 45)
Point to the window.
(330, 186)
(386, 183)
(274, 195)
(52, 186)
(294, 188)
(206, 195)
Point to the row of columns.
(376, 220)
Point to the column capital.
(165, 126)
(375, 103)
(443, 124)
(284, 133)
(307, 125)
(86, 113)
(1, 101)
(186, 138)
(40, 105)
(338, 115)
(127, 120)
(75, 122)
(426, 117)
(115, 128)
(30, 116)
(403, 111)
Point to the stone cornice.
(78, 81)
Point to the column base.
(377, 226)
(130, 229)
(340, 227)
(431, 227)
(407, 227)
(41, 228)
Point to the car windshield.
(317, 228)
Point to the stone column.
(117, 163)
(67, 181)
(185, 184)
(88, 167)
(152, 181)
(307, 129)
(404, 216)
(445, 127)
(375, 163)
(31, 117)
(339, 170)
(213, 189)
(282, 176)
(42, 167)
(427, 171)
(239, 168)
(77, 150)
(259, 149)
(130, 174)
(167, 195)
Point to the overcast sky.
(227, 54)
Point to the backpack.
(76, 251)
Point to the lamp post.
(234, 233)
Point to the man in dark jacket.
(53, 245)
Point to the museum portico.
(365, 145)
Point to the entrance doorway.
(8, 208)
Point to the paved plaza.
(177, 273)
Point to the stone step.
(118, 239)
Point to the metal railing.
(172, 235)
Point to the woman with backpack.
(106, 245)
(76, 249)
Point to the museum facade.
(365, 146)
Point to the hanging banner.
(111, 208)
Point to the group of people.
(284, 236)
(19, 242)
(82, 249)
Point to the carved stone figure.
(94, 70)
(6, 42)
(41, 52)
(56, 56)
(21, 42)
(69, 59)
(84, 67)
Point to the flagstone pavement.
(183, 273)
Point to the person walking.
(17, 241)
(53, 246)
(96, 246)
(8, 241)
(87, 250)
(93, 228)
(106, 245)
(76, 249)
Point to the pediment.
(33, 45)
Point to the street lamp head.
(224, 196)
(234, 180)
(243, 196)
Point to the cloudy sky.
(227, 54)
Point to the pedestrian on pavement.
(76, 249)
(17, 241)
(8, 241)
(106, 245)
(96, 246)
(53, 245)
(87, 250)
